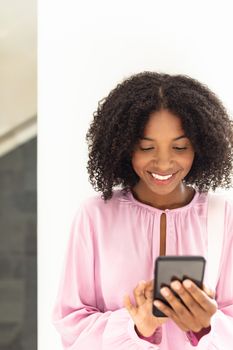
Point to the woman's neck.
(180, 197)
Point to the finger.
(149, 290)
(200, 315)
(187, 298)
(175, 303)
(139, 293)
(171, 314)
(129, 306)
(182, 315)
(208, 304)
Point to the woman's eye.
(180, 148)
(146, 149)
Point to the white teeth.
(160, 177)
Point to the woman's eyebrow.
(146, 138)
(180, 137)
(177, 138)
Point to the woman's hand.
(141, 313)
(200, 305)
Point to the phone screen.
(170, 268)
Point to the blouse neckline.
(128, 196)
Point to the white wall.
(85, 48)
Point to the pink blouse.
(112, 247)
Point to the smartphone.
(170, 268)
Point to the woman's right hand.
(141, 313)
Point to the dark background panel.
(18, 248)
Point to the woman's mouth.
(162, 179)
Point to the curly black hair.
(121, 117)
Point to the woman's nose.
(163, 160)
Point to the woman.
(165, 141)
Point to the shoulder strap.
(215, 229)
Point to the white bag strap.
(215, 229)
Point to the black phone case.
(176, 273)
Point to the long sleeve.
(77, 315)
(220, 335)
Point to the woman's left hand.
(200, 305)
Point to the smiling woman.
(162, 159)
(120, 123)
(166, 140)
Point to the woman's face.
(164, 156)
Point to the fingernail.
(187, 284)
(157, 303)
(176, 285)
(165, 292)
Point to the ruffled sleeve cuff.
(155, 338)
(194, 337)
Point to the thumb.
(149, 290)
(209, 291)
